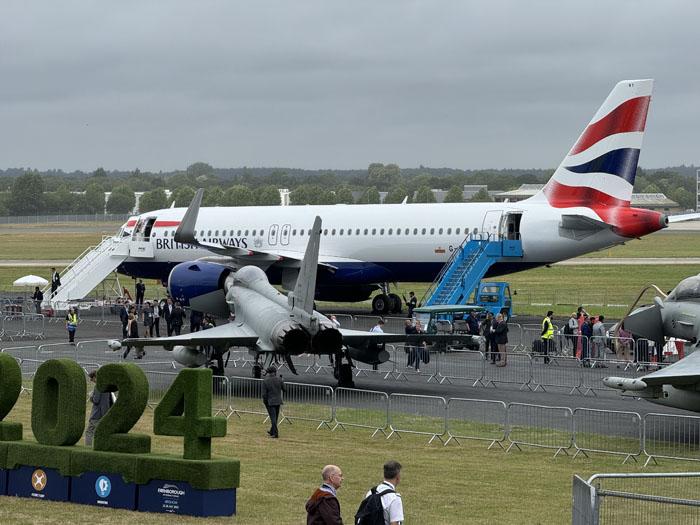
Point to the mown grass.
(46, 245)
(659, 244)
(441, 485)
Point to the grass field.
(440, 485)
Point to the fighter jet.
(676, 315)
(269, 323)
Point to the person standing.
(168, 315)
(485, 331)
(72, 323)
(379, 327)
(272, 388)
(132, 329)
(570, 331)
(411, 303)
(473, 323)
(323, 507)
(586, 333)
(124, 318)
(147, 313)
(335, 322)
(38, 297)
(547, 335)
(410, 349)
(101, 402)
(598, 341)
(392, 504)
(158, 307)
(500, 337)
(140, 292)
(55, 281)
(177, 318)
(196, 319)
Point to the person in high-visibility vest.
(547, 335)
(72, 323)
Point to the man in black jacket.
(55, 281)
(176, 318)
(272, 389)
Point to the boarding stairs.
(87, 271)
(467, 266)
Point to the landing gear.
(343, 371)
(385, 302)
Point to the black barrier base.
(37, 482)
(178, 497)
(103, 490)
(3, 482)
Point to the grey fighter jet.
(262, 319)
(676, 315)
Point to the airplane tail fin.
(600, 168)
(303, 295)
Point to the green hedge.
(38, 455)
(215, 473)
(84, 459)
(111, 433)
(11, 381)
(3, 455)
(56, 418)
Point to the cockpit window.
(687, 290)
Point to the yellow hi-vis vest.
(550, 328)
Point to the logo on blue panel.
(103, 486)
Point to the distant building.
(649, 201)
(284, 196)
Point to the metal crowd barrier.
(411, 414)
(540, 426)
(672, 437)
(308, 403)
(625, 440)
(20, 326)
(477, 419)
(245, 396)
(361, 408)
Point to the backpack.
(371, 510)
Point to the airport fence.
(14, 326)
(640, 498)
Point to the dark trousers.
(547, 346)
(156, 325)
(411, 355)
(124, 334)
(71, 336)
(170, 329)
(176, 329)
(273, 411)
(585, 356)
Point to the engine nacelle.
(188, 356)
(327, 341)
(290, 338)
(200, 285)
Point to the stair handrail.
(66, 270)
(470, 237)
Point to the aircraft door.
(148, 227)
(272, 236)
(492, 223)
(284, 238)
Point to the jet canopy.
(687, 290)
(248, 275)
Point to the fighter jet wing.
(229, 334)
(358, 337)
(684, 372)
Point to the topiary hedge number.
(10, 388)
(58, 402)
(185, 410)
(111, 434)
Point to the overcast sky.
(324, 84)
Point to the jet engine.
(200, 285)
(327, 341)
(370, 353)
(289, 338)
(190, 357)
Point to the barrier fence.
(510, 426)
(640, 498)
(14, 326)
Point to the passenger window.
(333, 231)
(398, 231)
(366, 231)
(165, 233)
(415, 231)
(440, 231)
(423, 231)
(406, 231)
(457, 231)
(349, 231)
(341, 231)
(325, 232)
(381, 232)
(201, 234)
(390, 231)
(357, 231)
(246, 233)
(239, 233)
(449, 231)
(374, 231)
(262, 233)
(294, 233)
(216, 233)
(209, 233)
(432, 231)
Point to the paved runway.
(409, 384)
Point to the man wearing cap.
(272, 388)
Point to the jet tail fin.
(303, 295)
(185, 232)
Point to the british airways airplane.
(584, 207)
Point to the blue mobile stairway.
(467, 266)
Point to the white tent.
(31, 280)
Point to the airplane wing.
(358, 337)
(683, 218)
(230, 334)
(683, 373)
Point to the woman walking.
(501, 338)
(132, 330)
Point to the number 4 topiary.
(185, 410)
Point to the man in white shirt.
(393, 506)
(378, 328)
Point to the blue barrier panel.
(37, 482)
(104, 490)
(178, 497)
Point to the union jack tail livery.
(598, 173)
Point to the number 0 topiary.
(10, 388)
(57, 419)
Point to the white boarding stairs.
(87, 271)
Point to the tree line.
(33, 193)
